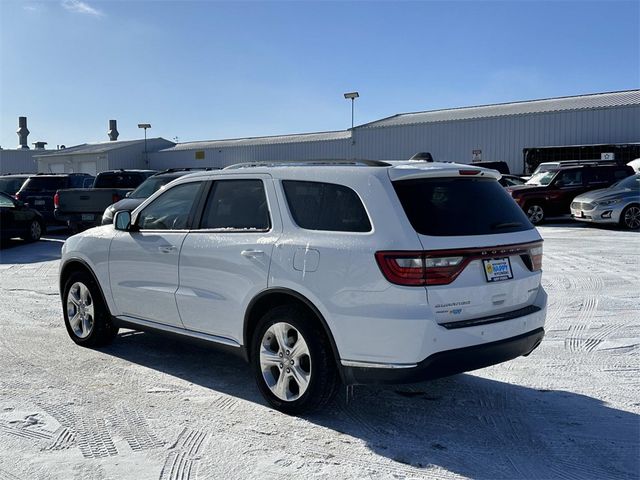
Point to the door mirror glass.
(122, 220)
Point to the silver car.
(620, 203)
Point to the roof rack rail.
(310, 163)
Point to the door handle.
(251, 253)
(167, 248)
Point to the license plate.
(87, 217)
(38, 202)
(497, 269)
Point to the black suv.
(38, 191)
(550, 193)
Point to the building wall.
(18, 161)
(223, 156)
(499, 138)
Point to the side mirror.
(126, 195)
(559, 183)
(20, 204)
(122, 220)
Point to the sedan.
(618, 204)
(18, 220)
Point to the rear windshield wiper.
(496, 226)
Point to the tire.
(86, 315)
(34, 232)
(305, 362)
(535, 213)
(630, 217)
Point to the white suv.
(316, 273)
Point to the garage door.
(56, 167)
(88, 167)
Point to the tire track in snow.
(184, 456)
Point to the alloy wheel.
(35, 230)
(285, 361)
(535, 214)
(632, 218)
(80, 310)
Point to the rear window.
(11, 185)
(326, 206)
(459, 206)
(45, 183)
(119, 180)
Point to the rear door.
(225, 262)
(478, 246)
(143, 264)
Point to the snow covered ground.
(148, 407)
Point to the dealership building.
(566, 128)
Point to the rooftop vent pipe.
(23, 133)
(39, 145)
(113, 130)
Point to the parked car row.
(554, 191)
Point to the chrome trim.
(354, 363)
(179, 331)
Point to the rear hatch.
(38, 191)
(481, 256)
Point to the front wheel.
(86, 316)
(535, 213)
(630, 217)
(292, 360)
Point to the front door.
(225, 262)
(143, 264)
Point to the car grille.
(582, 206)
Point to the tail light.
(56, 200)
(419, 268)
(536, 257)
(441, 267)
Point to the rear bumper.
(77, 218)
(450, 362)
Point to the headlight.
(605, 203)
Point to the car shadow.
(469, 425)
(21, 252)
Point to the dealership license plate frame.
(88, 217)
(490, 273)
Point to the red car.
(550, 193)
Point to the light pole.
(145, 126)
(351, 96)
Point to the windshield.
(632, 183)
(45, 183)
(542, 178)
(150, 186)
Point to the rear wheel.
(630, 217)
(535, 213)
(34, 231)
(86, 316)
(292, 360)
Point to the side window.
(326, 206)
(170, 211)
(571, 178)
(237, 205)
(599, 176)
(621, 173)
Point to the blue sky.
(211, 70)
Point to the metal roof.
(102, 147)
(270, 140)
(579, 102)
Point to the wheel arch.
(274, 297)
(73, 265)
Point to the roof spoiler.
(422, 156)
